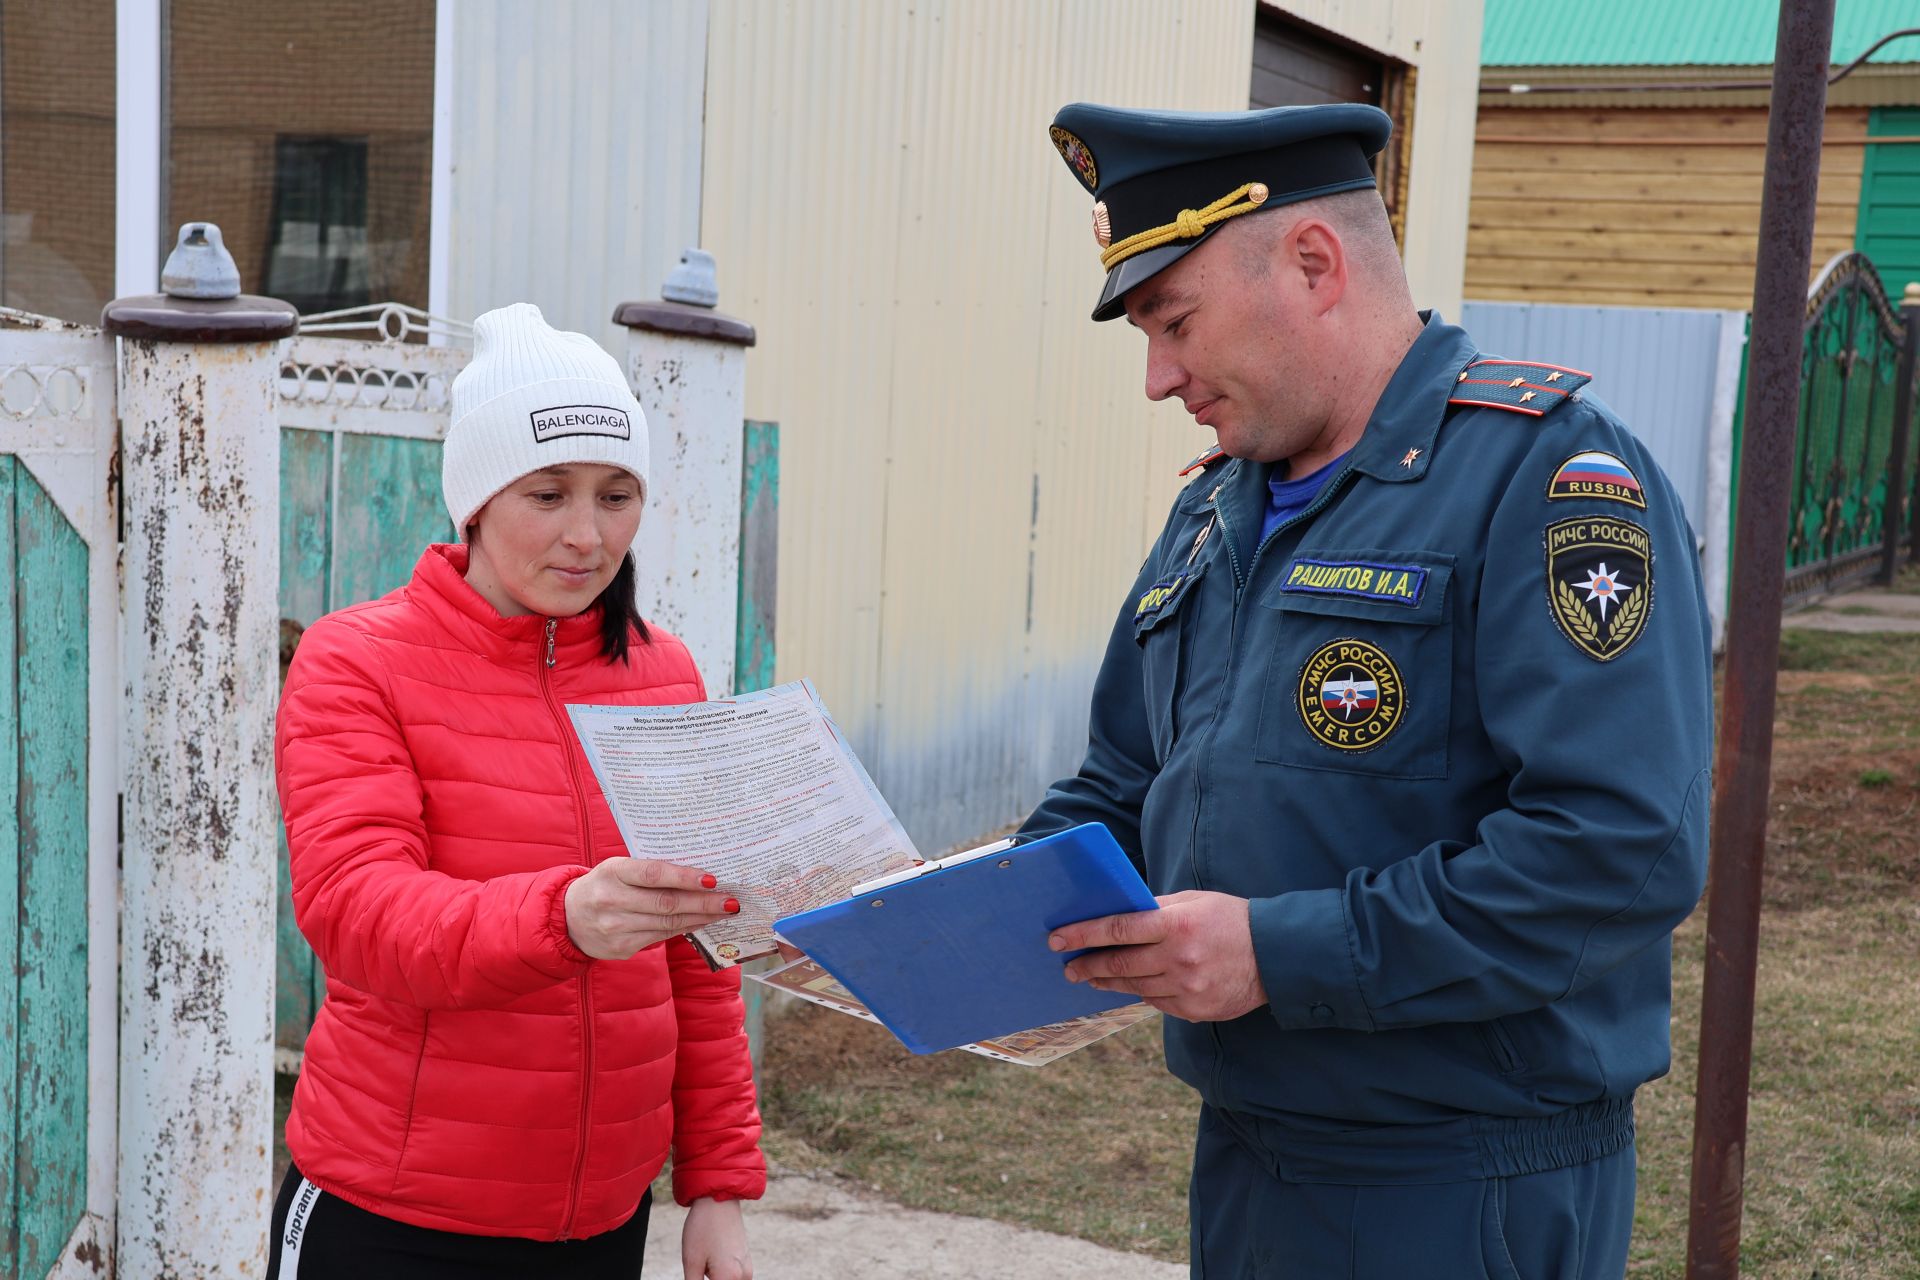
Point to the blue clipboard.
(960, 954)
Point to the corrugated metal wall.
(969, 473)
(1673, 377)
(576, 154)
(1654, 366)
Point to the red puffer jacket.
(472, 1070)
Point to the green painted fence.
(43, 874)
(355, 513)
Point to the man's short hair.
(1359, 217)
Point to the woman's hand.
(625, 904)
(713, 1243)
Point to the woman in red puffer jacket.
(515, 1034)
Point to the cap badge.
(1075, 153)
(1102, 224)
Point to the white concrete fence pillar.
(200, 466)
(687, 364)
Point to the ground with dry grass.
(1097, 1145)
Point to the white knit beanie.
(534, 396)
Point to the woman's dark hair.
(618, 612)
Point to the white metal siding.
(1654, 366)
(575, 155)
(1669, 372)
(969, 473)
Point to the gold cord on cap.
(1189, 223)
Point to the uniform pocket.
(1161, 618)
(1495, 1253)
(1500, 1047)
(1361, 673)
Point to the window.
(56, 157)
(317, 234)
(306, 132)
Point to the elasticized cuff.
(555, 930)
(742, 1185)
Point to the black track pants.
(317, 1236)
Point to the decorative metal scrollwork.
(344, 385)
(1849, 365)
(390, 322)
(31, 392)
(376, 358)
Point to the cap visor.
(1138, 270)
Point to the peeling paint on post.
(201, 475)
(688, 368)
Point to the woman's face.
(550, 542)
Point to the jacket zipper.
(586, 979)
(1240, 584)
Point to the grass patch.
(1870, 653)
(1098, 1145)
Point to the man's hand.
(625, 904)
(1191, 959)
(713, 1242)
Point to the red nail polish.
(733, 907)
(708, 882)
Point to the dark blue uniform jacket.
(1458, 768)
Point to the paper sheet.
(760, 790)
(807, 980)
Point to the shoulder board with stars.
(1524, 386)
(1204, 461)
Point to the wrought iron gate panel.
(1851, 363)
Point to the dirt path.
(811, 1228)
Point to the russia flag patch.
(1596, 474)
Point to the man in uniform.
(1407, 720)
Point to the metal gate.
(1843, 464)
(361, 421)
(59, 727)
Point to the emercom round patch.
(1351, 697)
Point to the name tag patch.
(580, 420)
(1161, 596)
(1363, 580)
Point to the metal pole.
(1902, 434)
(1745, 747)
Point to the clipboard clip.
(866, 887)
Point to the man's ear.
(1322, 262)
